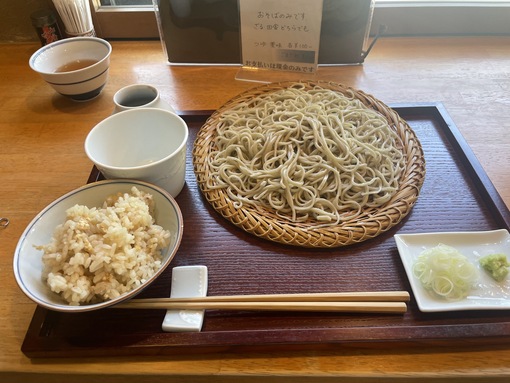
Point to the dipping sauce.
(75, 65)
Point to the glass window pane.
(125, 2)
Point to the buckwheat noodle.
(306, 154)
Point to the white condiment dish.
(486, 294)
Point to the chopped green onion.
(444, 271)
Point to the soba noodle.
(306, 154)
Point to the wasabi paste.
(496, 265)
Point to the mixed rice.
(98, 254)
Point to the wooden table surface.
(42, 157)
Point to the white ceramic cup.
(139, 96)
(146, 144)
(76, 67)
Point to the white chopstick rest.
(187, 282)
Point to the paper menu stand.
(279, 36)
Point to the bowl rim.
(70, 40)
(128, 295)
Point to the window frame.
(115, 22)
(401, 18)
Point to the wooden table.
(42, 157)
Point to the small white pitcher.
(139, 96)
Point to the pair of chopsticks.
(354, 302)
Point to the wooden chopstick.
(364, 307)
(381, 301)
(372, 296)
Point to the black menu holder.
(207, 32)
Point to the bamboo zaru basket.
(266, 224)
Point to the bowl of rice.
(98, 245)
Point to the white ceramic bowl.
(28, 265)
(60, 65)
(147, 144)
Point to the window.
(454, 17)
(124, 19)
(136, 18)
(123, 3)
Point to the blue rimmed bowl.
(75, 67)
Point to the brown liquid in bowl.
(75, 65)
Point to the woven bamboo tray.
(265, 224)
